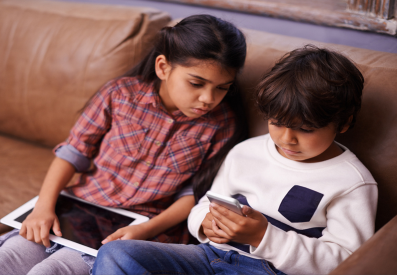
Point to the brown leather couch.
(55, 55)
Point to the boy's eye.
(275, 124)
(306, 130)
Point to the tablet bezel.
(10, 221)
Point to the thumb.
(116, 235)
(56, 228)
(251, 213)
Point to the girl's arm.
(173, 215)
(36, 227)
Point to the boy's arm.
(196, 217)
(200, 213)
(350, 222)
(173, 215)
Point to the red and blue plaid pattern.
(142, 154)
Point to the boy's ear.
(346, 127)
(162, 67)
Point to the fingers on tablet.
(57, 228)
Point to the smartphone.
(228, 202)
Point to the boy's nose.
(207, 96)
(289, 137)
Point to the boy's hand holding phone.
(229, 226)
(208, 231)
(229, 221)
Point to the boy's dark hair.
(206, 38)
(311, 86)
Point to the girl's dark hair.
(313, 87)
(206, 38)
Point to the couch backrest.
(54, 55)
(373, 139)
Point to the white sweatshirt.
(318, 213)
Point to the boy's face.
(305, 144)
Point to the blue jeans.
(144, 257)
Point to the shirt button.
(170, 120)
(157, 143)
(148, 163)
(136, 184)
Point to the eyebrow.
(203, 79)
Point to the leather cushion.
(54, 55)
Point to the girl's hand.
(132, 232)
(231, 226)
(36, 227)
(207, 229)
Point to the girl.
(154, 136)
(313, 202)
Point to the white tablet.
(83, 224)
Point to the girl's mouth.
(200, 111)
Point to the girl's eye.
(223, 88)
(197, 85)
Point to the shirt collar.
(147, 95)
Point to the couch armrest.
(375, 256)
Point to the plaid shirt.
(141, 153)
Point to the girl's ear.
(346, 127)
(162, 67)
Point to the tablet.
(83, 224)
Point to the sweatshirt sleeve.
(198, 213)
(350, 222)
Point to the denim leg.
(144, 257)
(232, 263)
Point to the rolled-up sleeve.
(69, 153)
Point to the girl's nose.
(288, 137)
(207, 96)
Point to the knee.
(114, 255)
(118, 249)
(109, 253)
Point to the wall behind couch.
(366, 40)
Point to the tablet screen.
(85, 223)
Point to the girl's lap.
(20, 256)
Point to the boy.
(309, 202)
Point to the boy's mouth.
(290, 152)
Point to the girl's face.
(305, 144)
(194, 90)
